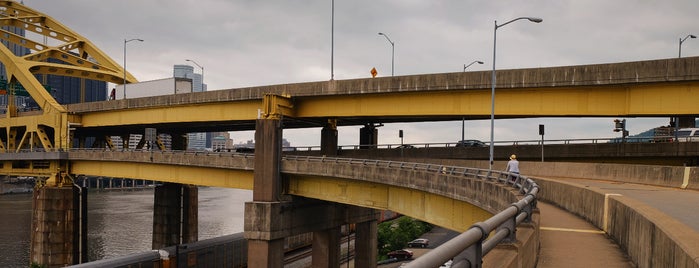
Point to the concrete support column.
(326, 248)
(179, 141)
(265, 250)
(268, 153)
(175, 213)
(366, 244)
(328, 139)
(271, 251)
(686, 122)
(368, 136)
(59, 226)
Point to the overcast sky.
(243, 43)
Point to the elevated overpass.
(647, 88)
(635, 89)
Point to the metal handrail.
(476, 241)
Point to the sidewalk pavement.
(569, 241)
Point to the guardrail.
(243, 150)
(472, 244)
(657, 139)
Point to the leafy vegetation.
(396, 234)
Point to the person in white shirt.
(513, 167)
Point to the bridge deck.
(570, 241)
(677, 204)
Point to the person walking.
(513, 168)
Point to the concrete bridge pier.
(368, 136)
(272, 216)
(686, 122)
(265, 249)
(175, 213)
(328, 138)
(366, 244)
(59, 224)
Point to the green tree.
(395, 234)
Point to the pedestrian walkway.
(676, 203)
(569, 241)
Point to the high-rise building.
(20, 101)
(196, 141)
(184, 80)
(64, 89)
(187, 71)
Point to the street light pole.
(476, 61)
(202, 73)
(126, 41)
(684, 39)
(332, 41)
(393, 50)
(493, 81)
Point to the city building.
(64, 89)
(222, 142)
(184, 80)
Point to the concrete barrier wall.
(648, 236)
(665, 176)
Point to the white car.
(446, 264)
(687, 134)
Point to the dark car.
(419, 243)
(401, 254)
(470, 143)
(405, 146)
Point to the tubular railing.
(656, 139)
(477, 241)
(468, 248)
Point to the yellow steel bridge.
(668, 87)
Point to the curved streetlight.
(493, 81)
(202, 73)
(126, 41)
(684, 39)
(476, 61)
(393, 46)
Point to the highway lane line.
(591, 231)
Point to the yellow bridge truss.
(53, 49)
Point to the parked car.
(419, 243)
(405, 146)
(401, 254)
(688, 134)
(470, 143)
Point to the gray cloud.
(249, 43)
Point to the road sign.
(374, 72)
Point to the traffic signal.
(619, 125)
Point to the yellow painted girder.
(33, 123)
(627, 100)
(209, 112)
(202, 176)
(443, 211)
(81, 57)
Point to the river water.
(119, 222)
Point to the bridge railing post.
(473, 255)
